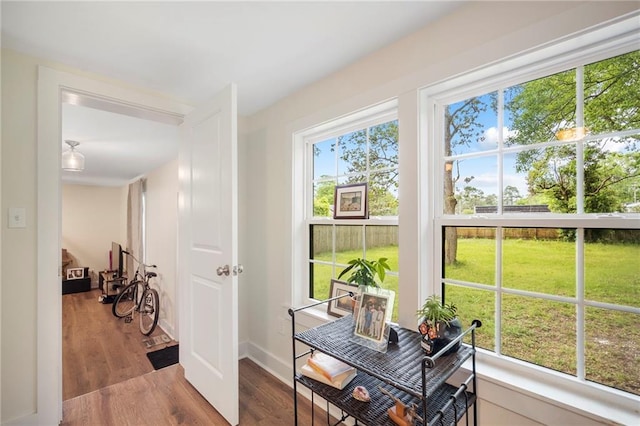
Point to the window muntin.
(540, 294)
(364, 151)
(566, 141)
(558, 167)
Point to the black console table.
(403, 370)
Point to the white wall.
(161, 238)
(19, 265)
(92, 217)
(476, 35)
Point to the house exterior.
(476, 35)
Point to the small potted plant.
(364, 272)
(438, 325)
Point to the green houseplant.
(438, 325)
(364, 272)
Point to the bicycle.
(138, 296)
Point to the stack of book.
(328, 370)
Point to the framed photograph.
(351, 202)
(343, 306)
(75, 273)
(374, 310)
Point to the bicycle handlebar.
(139, 263)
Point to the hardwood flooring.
(108, 380)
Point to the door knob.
(223, 270)
(238, 269)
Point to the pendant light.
(72, 160)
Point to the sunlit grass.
(539, 331)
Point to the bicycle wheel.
(149, 311)
(126, 300)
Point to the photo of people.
(75, 273)
(371, 317)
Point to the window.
(539, 176)
(357, 149)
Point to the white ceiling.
(191, 50)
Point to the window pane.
(515, 193)
(476, 186)
(538, 260)
(348, 243)
(321, 280)
(352, 179)
(470, 254)
(382, 241)
(474, 304)
(383, 146)
(383, 194)
(542, 332)
(611, 175)
(323, 198)
(612, 266)
(551, 176)
(352, 154)
(322, 242)
(470, 125)
(324, 159)
(613, 348)
(611, 93)
(536, 110)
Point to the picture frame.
(373, 317)
(351, 201)
(343, 306)
(75, 273)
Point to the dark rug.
(163, 357)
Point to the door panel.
(207, 241)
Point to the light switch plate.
(17, 217)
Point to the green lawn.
(542, 331)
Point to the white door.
(208, 294)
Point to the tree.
(380, 158)
(511, 195)
(323, 199)
(611, 164)
(461, 128)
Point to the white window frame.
(303, 194)
(588, 47)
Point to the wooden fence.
(350, 237)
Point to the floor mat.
(156, 340)
(163, 357)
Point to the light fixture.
(72, 160)
(571, 134)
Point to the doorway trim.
(51, 85)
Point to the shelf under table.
(374, 412)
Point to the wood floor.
(108, 379)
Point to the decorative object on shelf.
(72, 160)
(75, 273)
(438, 325)
(361, 394)
(343, 306)
(351, 201)
(364, 272)
(372, 318)
(400, 414)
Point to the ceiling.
(190, 51)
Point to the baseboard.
(268, 361)
(167, 328)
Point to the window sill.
(590, 400)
